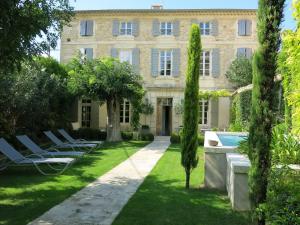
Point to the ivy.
(214, 94)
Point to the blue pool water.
(231, 140)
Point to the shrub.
(147, 137)
(89, 134)
(175, 138)
(200, 139)
(127, 136)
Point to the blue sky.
(176, 4)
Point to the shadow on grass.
(25, 194)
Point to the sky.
(176, 4)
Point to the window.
(125, 56)
(244, 27)
(205, 28)
(203, 112)
(124, 111)
(165, 63)
(86, 27)
(126, 28)
(244, 52)
(205, 63)
(86, 109)
(166, 28)
(87, 52)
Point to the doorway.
(164, 116)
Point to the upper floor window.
(244, 27)
(126, 28)
(166, 28)
(165, 62)
(125, 112)
(125, 56)
(205, 28)
(203, 112)
(86, 27)
(205, 62)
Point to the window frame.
(131, 55)
(125, 112)
(209, 29)
(165, 28)
(124, 31)
(203, 112)
(164, 54)
(203, 63)
(86, 117)
(245, 34)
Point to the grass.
(25, 194)
(162, 199)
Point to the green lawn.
(25, 194)
(162, 199)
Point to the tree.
(189, 158)
(25, 24)
(270, 14)
(110, 81)
(240, 72)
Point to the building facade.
(155, 42)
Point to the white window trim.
(124, 112)
(210, 28)
(166, 26)
(126, 50)
(126, 28)
(203, 112)
(210, 63)
(165, 67)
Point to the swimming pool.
(231, 140)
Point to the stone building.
(155, 42)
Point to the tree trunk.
(187, 178)
(113, 126)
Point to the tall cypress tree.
(189, 159)
(270, 14)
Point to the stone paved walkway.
(101, 201)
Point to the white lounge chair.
(70, 139)
(34, 148)
(18, 159)
(59, 144)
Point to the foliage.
(109, 80)
(270, 14)
(175, 138)
(147, 107)
(240, 72)
(147, 137)
(32, 99)
(213, 94)
(23, 21)
(89, 134)
(240, 111)
(126, 135)
(189, 158)
(200, 140)
(290, 70)
(179, 107)
(283, 200)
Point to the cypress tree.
(189, 159)
(270, 14)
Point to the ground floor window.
(203, 112)
(86, 109)
(125, 112)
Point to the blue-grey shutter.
(214, 112)
(241, 52)
(214, 28)
(154, 62)
(215, 62)
(135, 28)
(83, 27)
(242, 27)
(176, 62)
(248, 27)
(136, 59)
(248, 53)
(114, 53)
(115, 28)
(176, 28)
(89, 27)
(88, 53)
(155, 28)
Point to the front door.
(164, 116)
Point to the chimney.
(157, 6)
